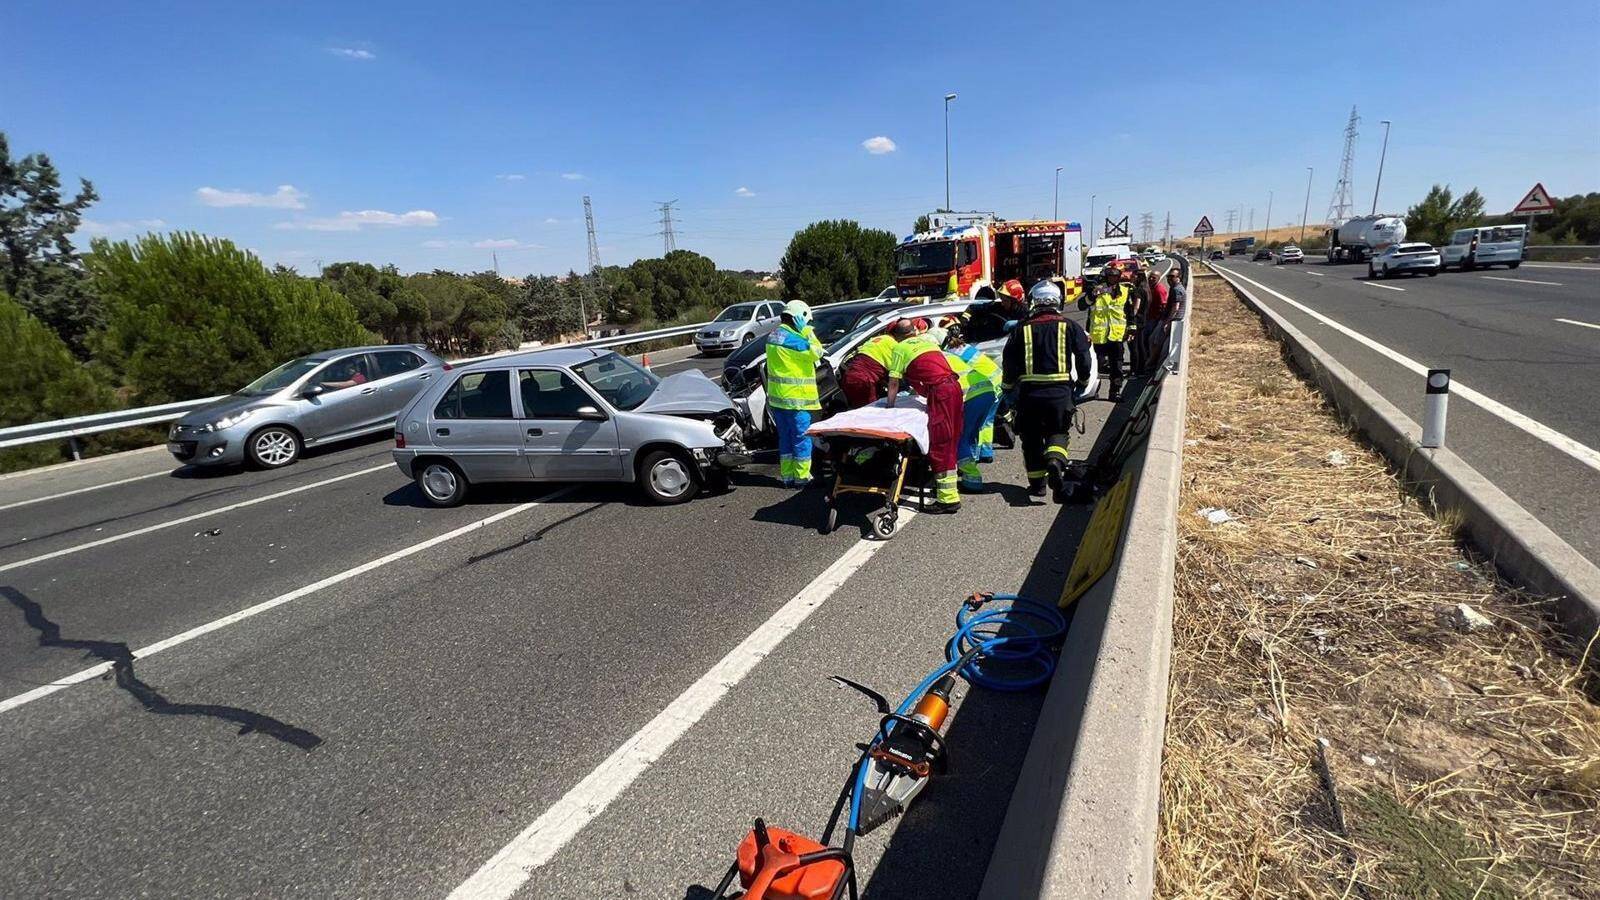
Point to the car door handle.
(442, 432)
(369, 390)
(424, 376)
(535, 432)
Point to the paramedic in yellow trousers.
(792, 354)
(1108, 327)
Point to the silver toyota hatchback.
(569, 414)
(312, 400)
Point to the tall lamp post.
(1307, 208)
(1267, 232)
(947, 99)
(1092, 219)
(1381, 157)
(1056, 213)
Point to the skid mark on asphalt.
(120, 658)
(533, 537)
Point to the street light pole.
(1381, 157)
(1092, 219)
(1056, 214)
(947, 99)
(1307, 206)
(1265, 232)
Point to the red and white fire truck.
(981, 253)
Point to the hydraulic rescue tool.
(1008, 646)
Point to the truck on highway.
(1358, 239)
(982, 253)
(1240, 245)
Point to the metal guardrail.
(79, 426)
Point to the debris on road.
(1216, 515)
(1464, 768)
(212, 533)
(1465, 618)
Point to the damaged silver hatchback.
(570, 414)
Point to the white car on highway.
(1471, 248)
(1290, 254)
(1404, 259)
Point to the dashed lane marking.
(82, 490)
(508, 870)
(1387, 287)
(93, 672)
(1520, 280)
(1579, 324)
(1571, 447)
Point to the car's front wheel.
(441, 482)
(1514, 264)
(1371, 272)
(668, 477)
(273, 447)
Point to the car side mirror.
(591, 414)
(313, 390)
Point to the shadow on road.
(121, 659)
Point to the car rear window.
(477, 395)
(1416, 248)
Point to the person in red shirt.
(1157, 320)
(921, 364)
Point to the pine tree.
(39, 267)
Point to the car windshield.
(281, 377)
(930, 256)
(739, 312)
(832, 324)
(1100, 259)
(621, 381)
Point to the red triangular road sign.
(1204, 228)
(1537, 201)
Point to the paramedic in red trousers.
(792, 354)
(921, 364)
(863, 376)
(1045, 361)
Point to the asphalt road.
(1527, 340)
(307, 683)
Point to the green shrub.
(41, 380)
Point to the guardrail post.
(1435, 408)
(75, 447)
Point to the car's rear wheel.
(668, 477)
(273, 447)
(1514, 265)
(441, 482)
(1371, 273)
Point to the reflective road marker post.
(1435, 408)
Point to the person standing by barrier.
(864, 375)
(1153, 333)
(1045, 360)
(980, 399)
(1108, 328)
(1177, 303)
(1136, 312)
(792, 354)
(920, 362)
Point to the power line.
(1147, 224)
(594, 245)
(1339, 205)
(669, 241)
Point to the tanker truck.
(1358, 239)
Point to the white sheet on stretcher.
(908, 419)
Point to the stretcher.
(870, 451)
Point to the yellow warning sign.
(1099, 544)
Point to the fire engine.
(981, 253)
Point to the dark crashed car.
(831, 322)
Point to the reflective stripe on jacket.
(982, 374)
(792, 368)
(1108, 317)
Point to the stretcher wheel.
(833, 519)
(883, 524)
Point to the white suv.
(1470, 248)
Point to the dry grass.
(1464, 764)
(1262, 236)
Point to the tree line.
(167, 317)
(1576, 219)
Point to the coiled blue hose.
(1030, 628)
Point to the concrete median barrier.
(1082, 819)
(1525, 551)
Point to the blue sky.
(433, 135)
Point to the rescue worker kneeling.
(980, 387)
(792, 354)
(922, 364)
(864, 376)
(1045, 360)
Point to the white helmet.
(1044, 293)
(799, 312)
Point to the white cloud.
(287, 196)
(353, 53)
(879, 145)
(552, 221)
(572, 176)
(745, 192)
(512, 177)
(355, 221)
(440, 245)
(95, 228)
(505, 244)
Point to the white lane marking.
(1316, 274)
(1580, 452)
(1520, 280)
(82, 490)
(93, 672)
(1576, 322)
(508, 870)
(1387, 287)
(67, 551)
(1589, 268)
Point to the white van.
(1472, 248)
